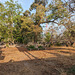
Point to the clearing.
(54, 61)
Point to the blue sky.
(25, 3)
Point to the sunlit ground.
(19, 61)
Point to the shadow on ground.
(62, 49)
(58, 65)
(1, 56)
(26, 52)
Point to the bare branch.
(48, 22)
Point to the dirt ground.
(54, 61)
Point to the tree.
(55, 12)
(10, 14)
(37, 3)
(47, 37)
(72, 6)
(69, 35)
(3, 29)
(27, 27)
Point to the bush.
(58, 44)
(41, 48)
(19, 40)
(49, 45)
(47, 37)
(31, 47)
(7, 45)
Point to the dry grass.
(54, 61)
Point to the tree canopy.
(24, 27)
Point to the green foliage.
(19, 40)
(41, 48)
(26, 27)
(7, 45)
(58, 44)
(47, 37)
(31, 47)
(58, 10)
(38, 3)
(69, 34)
(4, 32)
(10, 12)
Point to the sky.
(25, 3)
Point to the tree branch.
(48, 22)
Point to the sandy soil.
(54, 61)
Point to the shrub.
(41, 48)
(47, 37)
(7, 45)
(49, 45)
(19, 40)
(58, 44)
(31, 47)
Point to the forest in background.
(18, 27)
